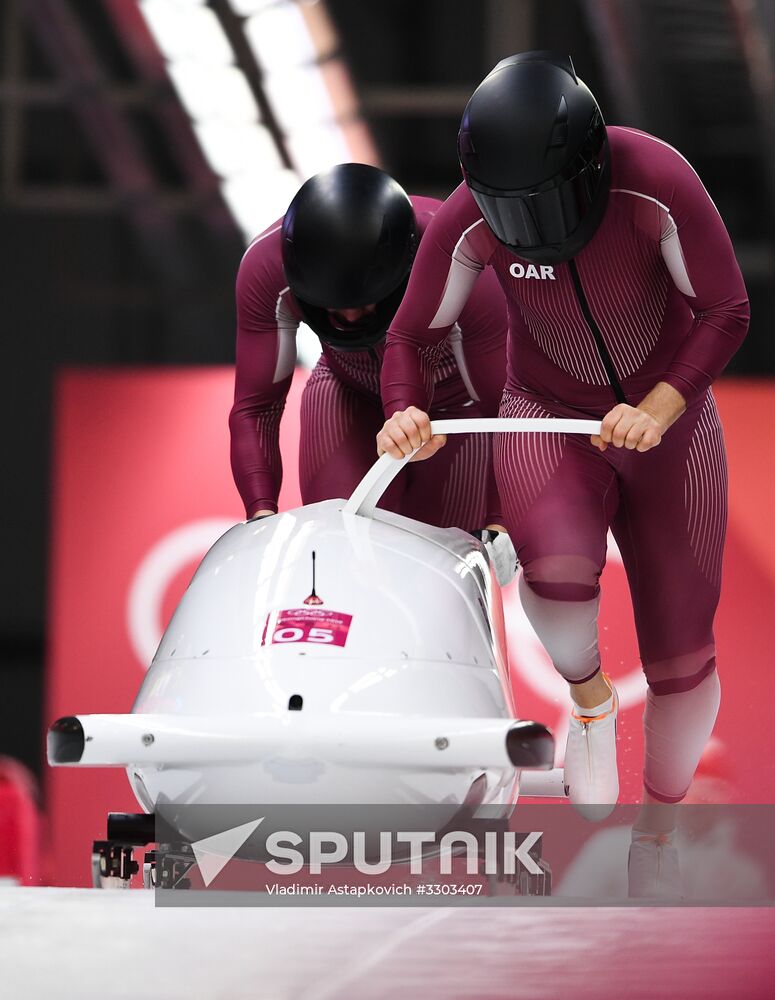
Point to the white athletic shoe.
(653, 871)
(591, 774)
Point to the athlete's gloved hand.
(260, 514)
(501, 552)
(406, 430)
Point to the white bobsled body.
(333, 654)
(403, 635)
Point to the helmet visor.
(546, 217)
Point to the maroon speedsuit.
(660, 280)
(341, 410)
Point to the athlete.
(339, 261)
(625, 303)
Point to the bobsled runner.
(336, 653)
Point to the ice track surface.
(88, 944)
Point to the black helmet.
(534, 154)
(349, 238)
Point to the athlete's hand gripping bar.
(369, 490)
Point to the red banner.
(142, 487)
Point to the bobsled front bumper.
(349, 738)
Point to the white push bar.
(369, 490)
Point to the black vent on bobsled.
(295, 703)
(531, 745)
(137, 829)
(65, 741)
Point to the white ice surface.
(80, 943)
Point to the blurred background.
(145, 142)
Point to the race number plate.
(318, 625)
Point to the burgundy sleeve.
(265, 362)
(699, 255)
(445, 270)
(483, 324)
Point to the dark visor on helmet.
(543, 218)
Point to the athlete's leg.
(338, 438)
(558, 495)
(338, 446)
(670, 528)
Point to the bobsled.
(336, 653)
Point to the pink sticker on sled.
(315, 625)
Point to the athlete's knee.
(563, 577)
(680, 673)
(567, 630)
